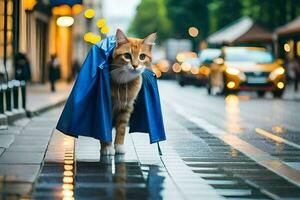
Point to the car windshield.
(247, 55)
(209, 54)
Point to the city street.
(245, 139)
(238, 147)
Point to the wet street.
(239, 148)
(239, 144)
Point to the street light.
(65, 21)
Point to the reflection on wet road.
(264, 130)
(232, 109)
(241, 115)
(111, 178)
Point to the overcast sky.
(119, 13)
(120, 7)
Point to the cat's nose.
(134, 66)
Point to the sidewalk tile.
(22, 158)
(22, 173)
(6, 140)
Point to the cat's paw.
(120, 149)
(107, 151)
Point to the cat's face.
(131, 56)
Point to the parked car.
(246, 68)
(195, 70)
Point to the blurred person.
(54, 71)
(295, 66)
(22, 68)
(75, 69)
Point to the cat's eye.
(127, 56)
(142, 56)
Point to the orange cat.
(131, 56)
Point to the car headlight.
(278, 71)
(232, 71)
(236, 72)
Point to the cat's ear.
(150, 39)
(120, 37)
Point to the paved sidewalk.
(22, 150)
(40, 98)
(34, 166)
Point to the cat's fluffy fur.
(131, 56)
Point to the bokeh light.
(176, 67)
(186, 67)
(163, 65)
(64, 10)
(195, 70)
(89, 13)
(180, 57)
(55, 10)
(287, 47)
(96, 39)
(76, 9)
(87, 37)
(104, 29)
(193, 31)
(65, 21)
(101, 23)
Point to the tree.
(151, 16)
(187, 13)
(223, 12)
(271, 14)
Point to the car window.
(246, 55)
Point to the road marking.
(263, 158)
(275, 137)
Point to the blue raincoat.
(88, 110)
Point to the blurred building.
(31, 27)
(288, 39)
(243, 31)
(33, 38)
(8, 35)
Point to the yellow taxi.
(246, 68)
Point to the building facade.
(30, 27)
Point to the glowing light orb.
(193, 31)
(65, 21)
(176, 67)
(104, 29)
(101, 23)
(89, 13)
(76, 9)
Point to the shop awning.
(290, 28)
(243, 30)
(68, 2)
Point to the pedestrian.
(295, 65)
(75, 69)
(54, 71)
(22, 68)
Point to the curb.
(9, 118)
(35, 112)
